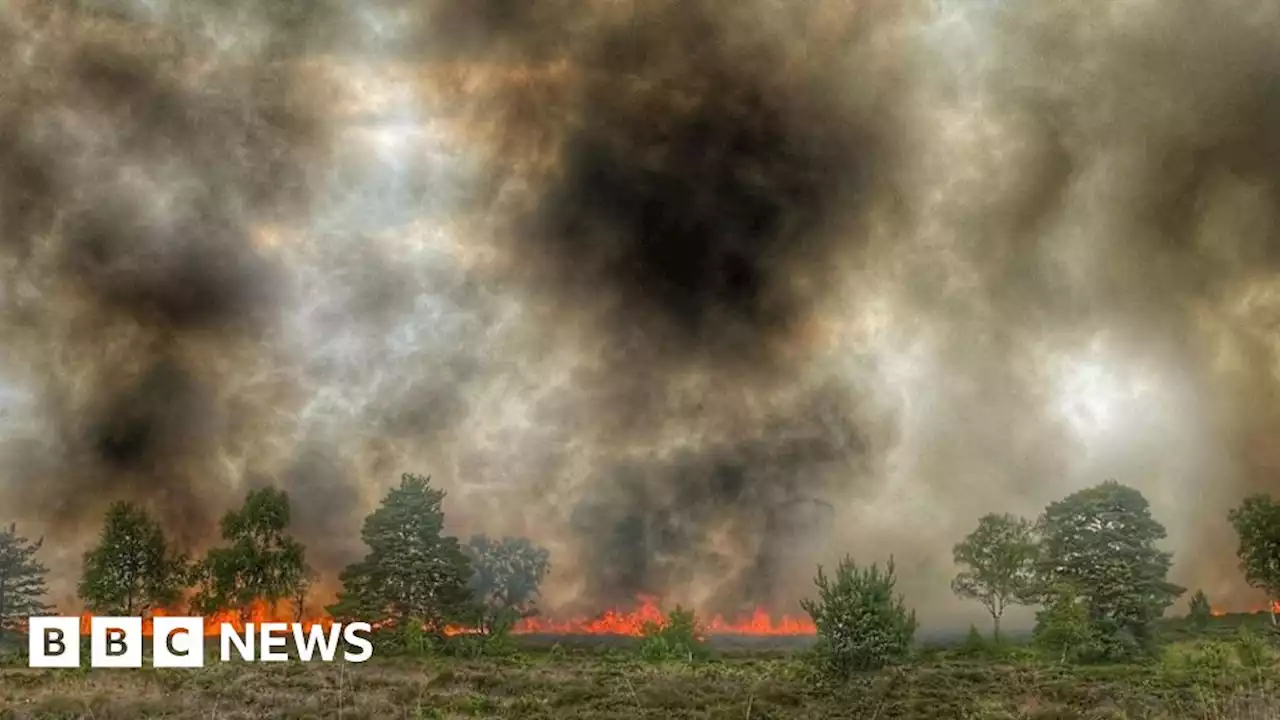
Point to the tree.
(22, 584)
(861, 624)
(999, 557)
(505, 577)
(132, 570)
(1257, 523)
(301, 592)
(261, 563)
(1063, 625)
(1101, 542)
(1199, 611)
(412, 572)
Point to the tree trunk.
(995, 621)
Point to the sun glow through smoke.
(1097, 395)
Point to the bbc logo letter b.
(53, 642)
(115, 642)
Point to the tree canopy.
(506, 575)
(132, 570)
(1257, 523)
(862, 623)
(412, 570)
(22, 579)
(1101, 542)
(998, 561)
(261, 562)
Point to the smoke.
(697, 295)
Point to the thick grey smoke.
(696, 294)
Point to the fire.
(632, 623)
(1274, 609)
(611, 622)
(259, 612)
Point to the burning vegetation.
(260, 575)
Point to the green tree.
(999, 561)
(1257, 523)
(974, 645)
(862, 624)
(505, 577)
(1062, 627)
(132, 570)
(412, 572)
(22, 579)
(260, 563)
(1199, 611)
(1101, 542)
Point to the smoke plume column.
(1162, 235)
(709, 172)
(138, 158)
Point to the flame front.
(630, 623)
(1273, 608)
(633, 622)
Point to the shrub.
(477, 645)
(1062, 627)
(1199, 611)
(411, 638)
(494, 641)
(1251, 649)
(862, 624)
(677, 638)
(1110, 640)
(974, 646)
(13, 648)
(1211, 656)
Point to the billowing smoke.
(696, 294)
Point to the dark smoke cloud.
(134, 170)
(696, 182)
(705, 180)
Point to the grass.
(1199, 677)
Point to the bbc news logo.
(179, 642)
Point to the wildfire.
(632, 623)
(612, 622)
(1273, 609)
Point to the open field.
(593, 679)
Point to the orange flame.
(259, 612)
(1273, 608)
(611, 622)
(632, 623)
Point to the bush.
(13, 648)
(974, 646)
(677, 638)
(474, 646)
(1111, 641)
(411, 638)
(861, 624)
(1062, 627)
(1199, 611)
(1211, 656)
(493, 639)
(1251, 649)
